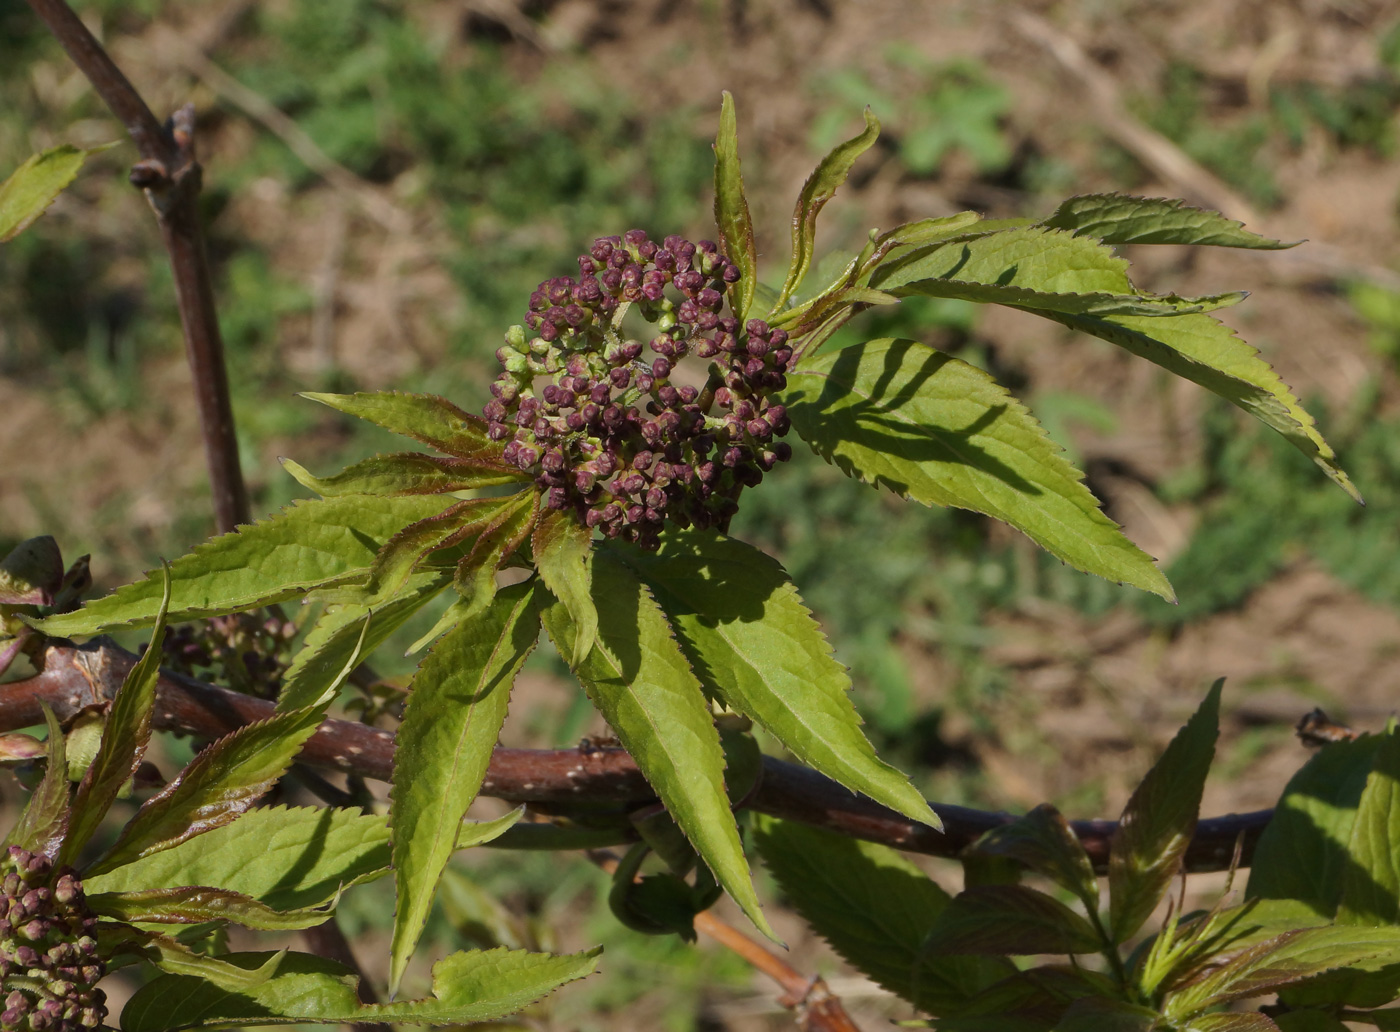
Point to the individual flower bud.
(558, 498)
(782, 451)
(656, 498)
(732, 456)
(644, 380)
(574, 421)
(753, 368)
(664, 260)
(706, 348)
(709, 298)
(748, 474)
(757, 346)
(688, 311)
(688, 282)
(731, 273)
(553, 461)
(611, 280)
(668, 396)
(590, 412)
(634, 513)
(781, 357)
(744, 410)
(661, 368)
(759, 428)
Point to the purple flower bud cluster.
(241, 651)
(49, 964)
(610, 436)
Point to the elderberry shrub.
(49, 964)
(610, 437)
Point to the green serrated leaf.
(288, 857)
(124, 739)
(480, 833)
(1123, 219)
(1156, 826)
(732, 210)
(1194, 346)
(1205, 351)
(1044, 842)
(640, 681)
(32, 187)
(564, 559)
(820, 187)
(1282, 961)
(874, 908)
(942, 432)
(1094, 304)
(1036, 997)
(195, 904)
(308, 544)
(1010, 919)
(753, 644)
(455, 709)
(405, 473)
(425, 418)
(1302, 853)
(1371, 878)
(345, 632)
(44, 820)
(480, 985)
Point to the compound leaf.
(480, 985)
(732, 209)
(306, 545)
(640, 681)
(753, 644)
(935, 429)
(455, 709)
(874, 908)
(1157, 824)
(288, 857)
(1115, 218)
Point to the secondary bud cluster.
(247, 654)
(49, 964)
(610, 436)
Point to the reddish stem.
(77, 677)
(171, 179)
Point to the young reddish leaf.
(426, 418)
(753, 644)
(1282, 961)
(475, 986)
(124, 740)
(1157, 824)
(44, 820)
(306, 545)
(939, 431)
(288, 857)
(640, 681)
(455, 709)
(732, 210)
(1010, 919)
(406, 473)
(874, 908)
(229, 776)
(475, 579)
(195, 904)
(821, 186)
(396, 561)
(1123, 219)
(1044, 842)
(345, 632)
(1302, 853)
(32, 187)
(1371, 878)
(564, 558)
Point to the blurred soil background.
(386, 182)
